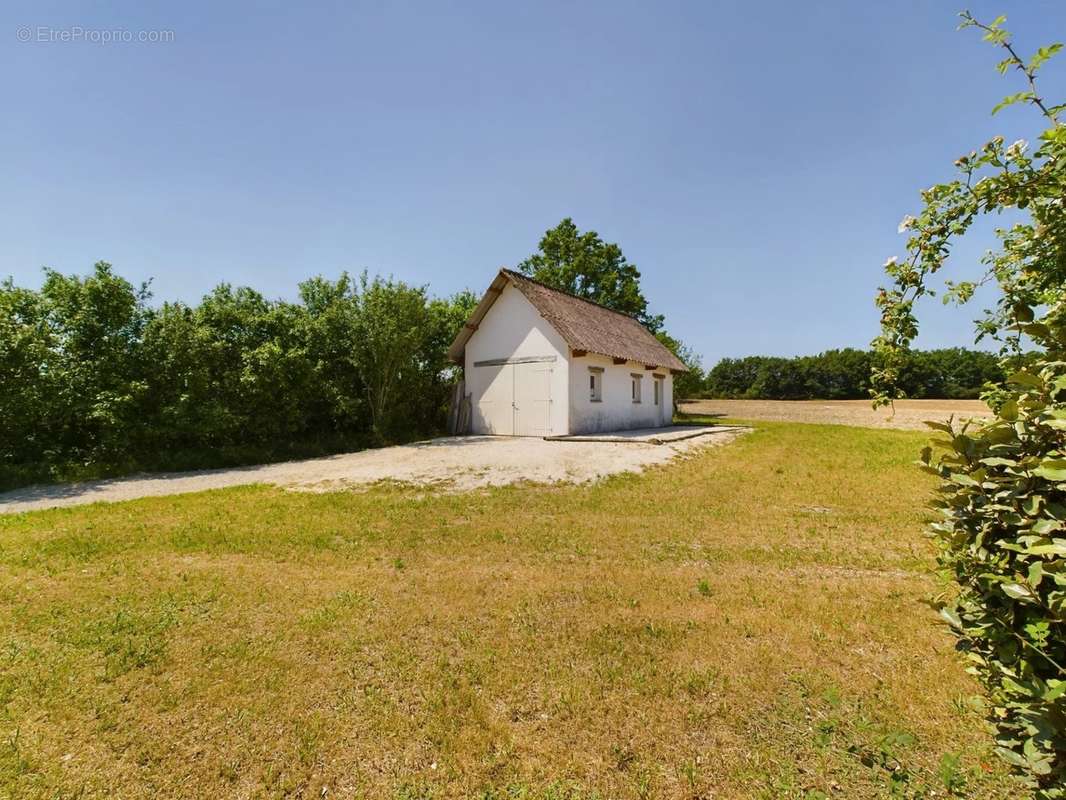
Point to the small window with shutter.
(595, 384)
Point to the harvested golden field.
(749, 622)
(905, 415)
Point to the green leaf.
(1055, 549)
(1046, 526)
(1039, 762)
(1011, 757)
(1016, 591)
(1052, 469)
(1042, 55)
(1011, 99)
(939, 426)
(1055, 690)
(1036, 574)
(1023, 378)
(951, 617)
(1036, 330)
(996, 461)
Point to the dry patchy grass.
(902, 415)
(745, 623)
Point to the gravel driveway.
(455, 463)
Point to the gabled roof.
(584, 325)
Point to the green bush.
(1002, 540)
(94, 381)
(1002, 499)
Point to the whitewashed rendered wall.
(513, 328)
(617, 411)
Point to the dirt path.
(909, 414)
(457, 463)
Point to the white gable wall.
(616, 410)
(513, 330)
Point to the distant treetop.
(584, 265)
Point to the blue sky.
(753, 159)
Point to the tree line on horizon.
(844, 374)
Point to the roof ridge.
(524, 277)
(591, 332)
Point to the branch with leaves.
(1001, 536)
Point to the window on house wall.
(635, 384)
(595, 384)
(658, 390)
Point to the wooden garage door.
(532, 399)
(496, 405)
(516, 400)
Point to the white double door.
(517, 399)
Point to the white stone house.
(541, 362)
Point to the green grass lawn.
(748, 622)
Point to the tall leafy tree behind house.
(686, 384)
(94, 381)
(585, 265)
(1001, 533)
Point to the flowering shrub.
(1002, 538)
(1001, 535)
